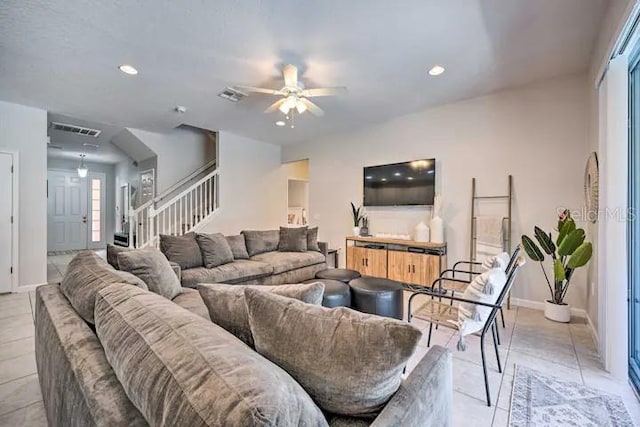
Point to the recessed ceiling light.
(128, 69)
(280, 123)
(436, 70)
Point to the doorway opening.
(298, 193)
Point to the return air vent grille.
(64, 127)
(232, 94)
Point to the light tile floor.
(563, 350)
(566, 351)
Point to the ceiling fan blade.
(324, 91)
(258, 90)
(273, 107)
(313, 108)
(290, 74)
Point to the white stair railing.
(178, 216)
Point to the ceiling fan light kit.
(294, 95)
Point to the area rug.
(539, 400)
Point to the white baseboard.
(27, 288)
(539, 305)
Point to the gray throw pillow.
(350, 363)
(261, 241)
(312, 239)
(293, 239)
(215, 249)
(179, 369)
(238, 246)
(227, 307)
(152, 268)
(86, 274)
(183, 250)
(112, 254)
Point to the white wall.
(110, 187)
(180, 152)
(24, 130)
(252, 186)
(536, 133)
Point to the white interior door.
(6, 235)
(67, 211)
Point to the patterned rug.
(538, 400)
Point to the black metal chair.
(461, 285)
(446, 313)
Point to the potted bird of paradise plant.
(569, 252)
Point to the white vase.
(422, 232)
(356, 231)
(437, 229)
(557, 312)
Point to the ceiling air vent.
(75, 129)
(232, 94)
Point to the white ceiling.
(73, 144)
(63, 56)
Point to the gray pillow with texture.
(153, 268)
(349, 362)
(86, 274)
(227, 306)
(112, 254)
(183, 250)
(179, 369)
(261, 241)
(312, 239)
(238, 246)
(215, 249)
(293, 239)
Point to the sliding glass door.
(634, 222)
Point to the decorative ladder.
(181, 214)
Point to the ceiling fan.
(294, 95)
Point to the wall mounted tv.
(400, 184)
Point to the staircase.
(178, 210)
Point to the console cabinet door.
(356, 259)
(376, 263)
(399, 266)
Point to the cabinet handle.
(414, 268)
(366, 263)
(409, 266)
(363, 262)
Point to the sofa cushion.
(352, 366)
(86, 274)
(287, 261)
(215, 249)
(191, 300)
(183, 250)
(312, 240)
(238, 246)
(181, 370)
(261, 241)
(234, 272)
(112, 254)
(227, 307)
(293, 239)
(153, 268)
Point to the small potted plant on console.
(357, 218)
(364, 230)
(568, 253)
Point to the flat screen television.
(400, 184)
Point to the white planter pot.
(356, 231)
(557, 312)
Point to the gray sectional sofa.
(256, 260)
(95, 368)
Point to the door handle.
(84, 219)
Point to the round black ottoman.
(336, 293)
(341, 274)
(377, 296)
